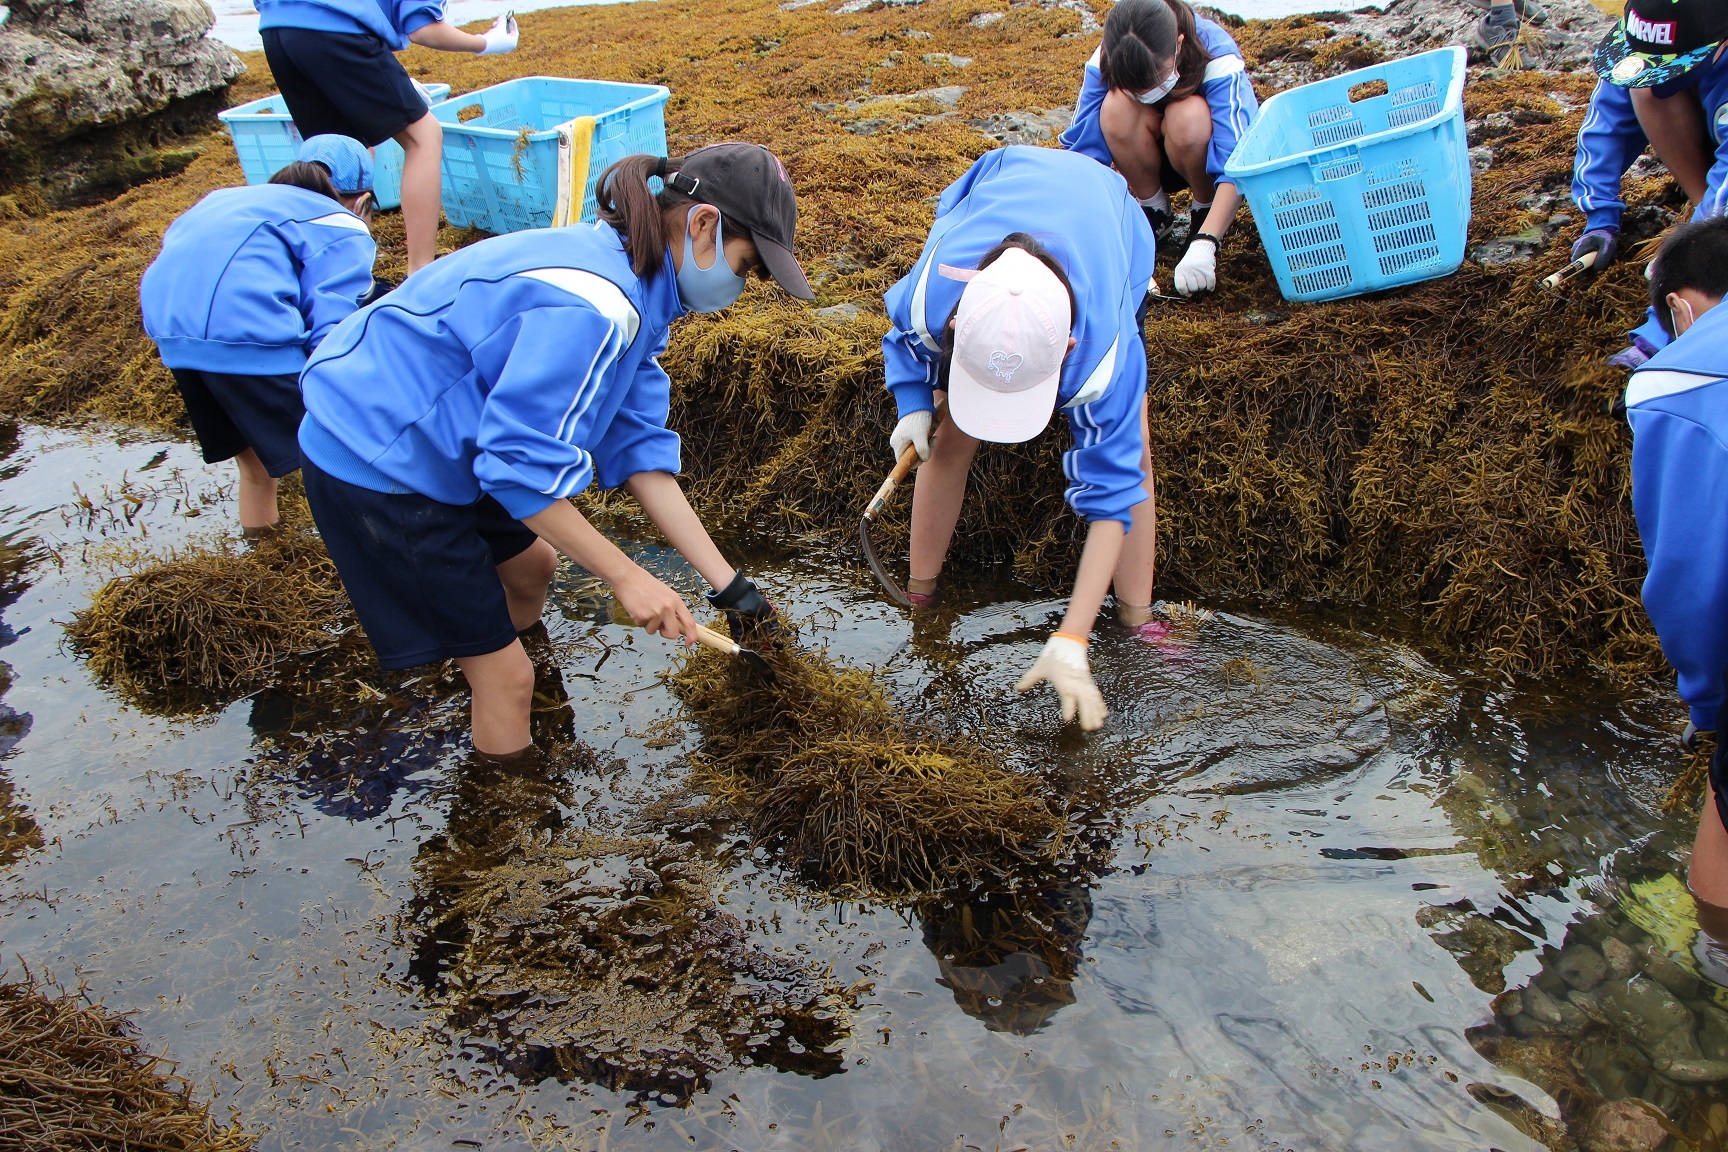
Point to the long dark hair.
(307, 175)
(624, 200)
(1031, 246)
(1140, 33)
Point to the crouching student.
(447, 423)
(1677, 403)
(1164, 100)
(248, 282)
(1025, 299)
(334, 62)
(1663, 83)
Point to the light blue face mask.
(714, 287)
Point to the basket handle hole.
(1367, 90)
(472, 112)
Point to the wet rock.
(1541, 1006)
(985, 19)
(1587, 1003)
(1650, 1014)
(1670, 973)
(1508, 1004)
(1621, 959)
(1694, 1071)
(946, 60)
(1481, 159)
(1264, 319)
(839, 313)
(1023, 127)
(1581, 966)
(1624, 1126)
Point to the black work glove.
(1605, 242)
(749, 615)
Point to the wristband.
(1216, 243)
(1080, 640)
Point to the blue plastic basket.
(266, 141)
(1357, 185)
(501, 166)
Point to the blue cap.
(348, 161)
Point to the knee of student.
(1125, 121)
(531, 569)
(1188, 126)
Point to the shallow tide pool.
(1313, 859)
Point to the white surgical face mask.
(1153, 95)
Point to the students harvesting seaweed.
(248, 282)
(447, 423)
(335, 64)
(1164, 100)
(1026, 298)
(1677, 404)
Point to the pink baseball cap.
(1010, 336)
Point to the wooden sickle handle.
(714, 640)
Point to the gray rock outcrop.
(75, 69)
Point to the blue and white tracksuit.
(1227, 89)
(524, 367)
(1677, 404)
(392, 21)
(1083, 213)
(1611, 139)
(250, 280)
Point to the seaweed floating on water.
(73, 1078)
(211, 622)
(853, 796)
(579, 952)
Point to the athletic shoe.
(1497, 36)
(1526, 9)
(1161, 221)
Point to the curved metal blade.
(895, 592)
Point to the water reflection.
(1009, 959)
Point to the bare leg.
(1137, 567)
(422, 185)
(502, 684)
(1708, 877)
(938, 491)
(525, 577)
(1132, 131)
(1678, 135)
(1187, 136)
(257, 492)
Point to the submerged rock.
(1581, 966)
(1622, 960)
(1624, 1126)
(96, 93)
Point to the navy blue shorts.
(347, 83)
(423, 575)
(231, 413)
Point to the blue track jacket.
(1610, 140)
(249, 280)
(1227, 89)
(524, 367)
(1678, 406)
(1082, 212)
(390, 20)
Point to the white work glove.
(1198, 269)
(914, 429)
(1063, 663)
(501, 37)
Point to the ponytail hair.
(312, 176)
(1139, 35)
(624, 200)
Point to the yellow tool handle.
(1582, 264)
(714, 640)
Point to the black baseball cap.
(749, 186)
(1659, 40)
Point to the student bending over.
(248, 282)
(448, 423)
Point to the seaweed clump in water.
(72, 1078)
(575, 951)
(852, 795)
(216, 620)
